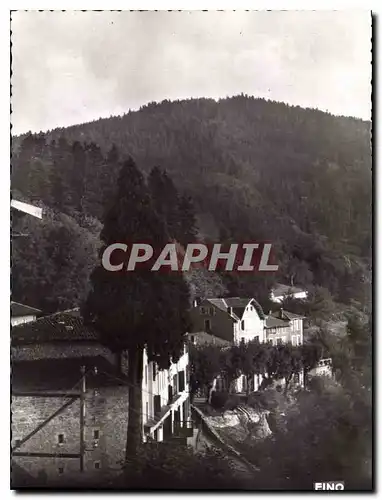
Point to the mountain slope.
(256, 170)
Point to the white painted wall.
(299, 295)
(159, 386)
(253, 326)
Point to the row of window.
(207, 310)
(61, 438)
(96, 465)
(296, 340)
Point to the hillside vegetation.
(255, 170)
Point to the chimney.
(281, 313)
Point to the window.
(242, 340)
(96, 434)
(97, 465)
(181, 381)
(242, 325)
(192, 338)
(157, 404)
(17, 442)
(60, 439)
(211, 311)
(203, 310)
(207, 324)
(61, 470)
(279, 341)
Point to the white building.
(27, 208)
(324, 368)
(166, 400)
(280, 292)
(21, 313)
(232, 319)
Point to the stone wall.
(106, 411)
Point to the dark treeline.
(243, 169)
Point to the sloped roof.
(285, 315)
(61, 326)
(290, 315)
(272, 322)
(18, 309)
(64, 373)
(279, 290)
(237, 304)
(219, 303)
(210, 336)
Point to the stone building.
(70, 401)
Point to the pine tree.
(166, 200)
(78, 181)
(137, 309)
(188, 225)
(110, 178)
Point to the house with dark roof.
(280, 292)
(48, 356)
(282, 327)
(20, 313)
(227, 321)
(232, 319)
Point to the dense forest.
(245, 169)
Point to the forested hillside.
(253, 169)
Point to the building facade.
(280, 292)
(232, 319)
(21, 313)
(70, 400)
(283, 327)
(166, 400)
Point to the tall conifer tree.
(137, 309)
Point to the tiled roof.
(61, 326)
(272, 322)
(219, 303)
(285, 315)
(63, 374)
(18, 309)
(290, 315)
(237, 304)
(209, 336)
